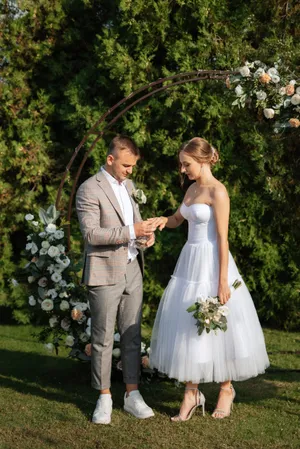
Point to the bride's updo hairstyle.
(200, 150)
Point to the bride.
(205, 268)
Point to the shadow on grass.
(68, 381)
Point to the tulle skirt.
(176, 348)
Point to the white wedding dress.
(176, 348)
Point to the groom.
(110, 223)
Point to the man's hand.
(144, 228)
(150, 241)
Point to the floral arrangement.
(139, 196)
(210, 314)
(55, 292)
(272, 90)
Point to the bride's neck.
(205, 177)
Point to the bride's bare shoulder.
(219, 191)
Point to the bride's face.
(189, 166)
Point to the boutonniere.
(139, 196)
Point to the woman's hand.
(224, 292)
(158, 222)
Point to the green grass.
(46, 402)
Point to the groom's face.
(120, 164)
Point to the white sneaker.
(136, 405)
(103, 410)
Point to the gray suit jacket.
(105, 235)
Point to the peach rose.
(145, 361)
(290, 89)
(88, 349)
(227, 82)
(265, 78)
(76, 314)
(294, 122)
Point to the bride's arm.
(221, 211)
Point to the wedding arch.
(113, 114)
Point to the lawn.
(46, 402)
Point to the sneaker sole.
(128, 410)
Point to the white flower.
(83, 337)
(82, 306)
(292, 82)
(14, 282)
(261, 95)
(117, 337)
(89, 322)
(239, 90)
(282, 91)
(61, 248)
(207, 321)
(52, 292)
(59, 234)
(139, 196)
(49, 347)
(51, 268)
(88, 331)
(272, 71)
(275, 79)
(56, 277)
(30, 279)
(42, 234)
(35, 223)
(298, 90)
(143, 347)
(53, 251)
(224, 310)
(116, 353)
(29, 237)
(64, 305)
(295, 99)
(63, 295)
(259, 72)
(244, 71)
(50, 228)
(53, 321)
(34, 248)
(286, 103)
(269, 113)
(65, 324)
(63, 262)
(47, 305)
(29, 217)
(148, 350)
(43, 251)
(63, 283)
(31, 301)
(28, 246)
(45, 244)
(43, 282)
(69, 340)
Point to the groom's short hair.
(120, 143)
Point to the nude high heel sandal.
(200, 401)
(222, 412)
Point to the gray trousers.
(122, 301)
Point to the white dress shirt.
(125, 204)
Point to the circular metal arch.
(132, 99)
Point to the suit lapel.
(107, 189)
(136, 212)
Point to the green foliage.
(64, 63)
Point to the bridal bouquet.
(210, 314)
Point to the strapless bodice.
(202, 226)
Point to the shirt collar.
(111, 179)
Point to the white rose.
(69, 340)
(117, 337)
(45, 244)
(53, 251)
(89, 322)
(34, 248)
(295, 99)
(31, 301)
(272, 71)
(223, 310)
(64, 305)
(47, 305)
(30, 279)
(35, 223)
(49, 347)
(286, 103)
(64, 263)
(43, 251)
(29, 217)
(63, 283)
(61, 248)
(239, 90)
(50, 228)
(82, 306)
(244, 71)
(143, 347)
(43, 282)
(51, 268)
(28, 246)
(65, 324)
(269, 113)
(292, 82)
(53, 321)
(56, 277)
(63, 295)
(42, 234)
(259, 72)
(207, 321)
(261, 95)
(116, 353)
(29, 237)
(14, 282)
(88, 331)
(298, 90)
(59, 234)
(83, 337)
(282, 91)
(275, 79)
